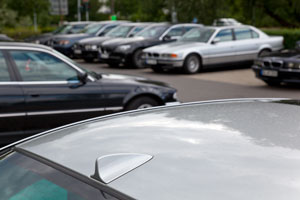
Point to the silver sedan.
(211, 46)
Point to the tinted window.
(152, 31)
(198, 35)
(107, 29)
(178, 31)
(225, 35)
(39, 66)
(4, 74)
(120, 31)
(22, 178)
(92, 29)
(254, 34)
(242, 33)
(136, 30)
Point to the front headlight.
(124, 47)
(170, 55)
(64, 42)
(293, 65)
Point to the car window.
(40, 66)
(120, 31)
(225, 35)
(92, 28)
(178, 31)
(107, 29)
(137, 29)
(153, 31)
(22, 178)
(4, 74)
(242, 33)
(198, 35)
(254, 34)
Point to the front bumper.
(277, 74)
(163, 62)
(117, 58)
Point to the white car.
(204, 47)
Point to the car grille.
(273, 64)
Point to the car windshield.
(23, 178)
(92, 29)
(73, 28)
(60, 29)
(120, 31)
(198, 35)
(153, 31)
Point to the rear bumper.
(283, 75)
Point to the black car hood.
(132, 79)
(286, 55)
(94, 40)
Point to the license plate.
(151, 62)
(271, 73)
(104, 55)
(77, 51)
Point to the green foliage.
(8, 17)
(291, 36)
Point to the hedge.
(20, 33)
(291, 36)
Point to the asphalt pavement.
(225, 83)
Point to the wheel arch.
(151, 95)
(198, 55)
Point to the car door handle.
(35, 95)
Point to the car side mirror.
(130, 35)
(82, 77)
(216, 40)
(169, 38)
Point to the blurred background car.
(88, 49)
(42, 89)
(279, 67)
(231, 149)
(64, 42)
(128, 51)
(5, 38)
(211, 46)
(66, 28)
(226, 22)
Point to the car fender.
(155, 93)
(264, 46)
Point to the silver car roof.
(243, 149)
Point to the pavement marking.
(239, 77)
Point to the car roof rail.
(110, 167)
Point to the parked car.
(238, 149)
(278, 67)
(66, 28)
(64, 43)
(211, 46)
(128, 51)
(87, 48)
(42, 89)
(5, 38)
(226, 22)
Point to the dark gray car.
(231, 150)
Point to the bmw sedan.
(212, 46)
(217, 150)
(41, 89)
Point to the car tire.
(272, 83)
(88, 60)
(157, 69)
(264, 52)
(141, 102)
(137, 59)
(192, 64)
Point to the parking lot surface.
(233, 82)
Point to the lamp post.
(79, 10)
